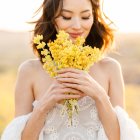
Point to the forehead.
(77, 5)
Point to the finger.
(64, 96)
(74, 86)
(71, 80)
(67, 90)
(73, 70)
(68, 75)
(58, 85)
(69, 96)
(71, 90)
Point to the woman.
(100, 92)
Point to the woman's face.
(76, 18)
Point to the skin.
(103, 81)
(75, 20)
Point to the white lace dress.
(86, 125)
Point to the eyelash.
(66, 18)
(84, 18)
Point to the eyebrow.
(65, 10)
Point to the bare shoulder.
(27, 72)
(24, 84)
(29, 66)
(110, 64)
(112, 69)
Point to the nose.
(76, 23)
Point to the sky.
(15, 13)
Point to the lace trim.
(83, 103)
(84, 125)
(73, 136)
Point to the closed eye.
(85, 18)
(66, 18)
(69, 18)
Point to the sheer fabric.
(86, 125)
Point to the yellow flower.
(41, 45)
(37, 39)
(79, 41)
(45, 52)
(62, 54)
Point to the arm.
(82, 81)
(23, 102)
(106, 111)
(127, 129)
(24, 98)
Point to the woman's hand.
(55, 94)
(80, 80)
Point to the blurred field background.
(15, 48)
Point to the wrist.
(41, 110)
(102, 96)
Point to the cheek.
(87, 25)
(61, 24)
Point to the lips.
(75, 35)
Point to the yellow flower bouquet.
(63, 53)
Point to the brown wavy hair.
(100, 36)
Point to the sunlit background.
(14, 14)
(15, 48)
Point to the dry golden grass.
(7, 82)
(132, 97)
(6, 99)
